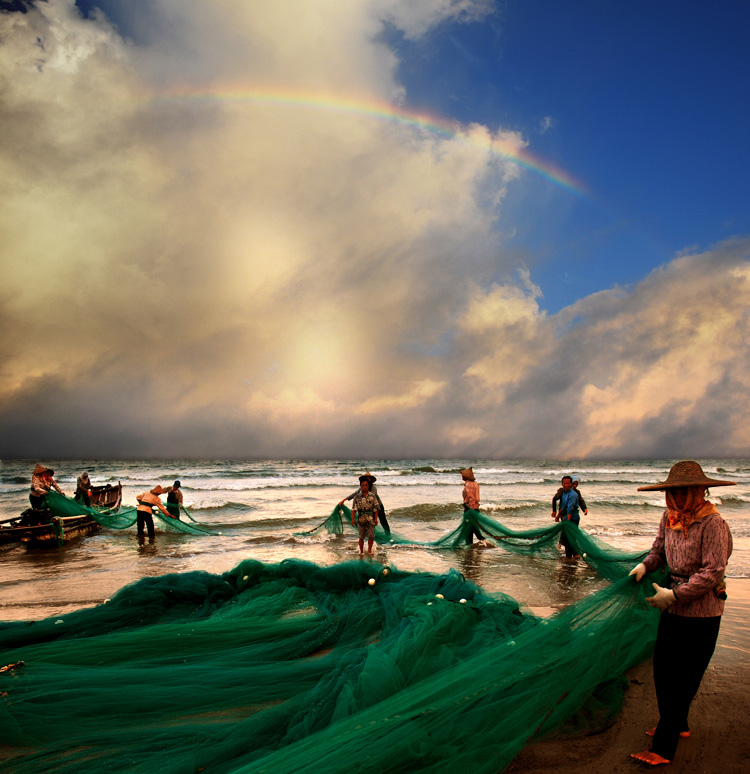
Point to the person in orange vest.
(146, 502)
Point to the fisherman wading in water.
(365, 513)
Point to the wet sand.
(719, 717)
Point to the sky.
(374, 229)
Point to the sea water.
(259, 508)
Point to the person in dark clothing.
(174, 500)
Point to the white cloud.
(545, 124)
(240, 276)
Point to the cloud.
(546, 124)
(235, 277)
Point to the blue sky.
(649, 107)
(227, 232)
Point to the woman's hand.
(639, 571)
(662, 599)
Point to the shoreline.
(719, 714)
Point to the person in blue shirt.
(568, 512)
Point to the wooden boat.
(38, 528)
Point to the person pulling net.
(59, 505)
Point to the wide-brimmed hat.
(40, 470)
(158, 489)
(367, 477)
(686, 473)
(467, 473)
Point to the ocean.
(256, 507)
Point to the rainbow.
(385, 112)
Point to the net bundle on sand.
(294, 667)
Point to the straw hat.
(468, 474)
(367, 477)
(686, 473)
(40, 470)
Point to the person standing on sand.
(374, 491)
(41, 482)
(365, 506)
(568, 512)
(174, 500)
(470, 495)
(695, 543)
(144, 513)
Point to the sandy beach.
(719, 717)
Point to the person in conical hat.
(41, 482)
(470, 496)
(144, 514)
(374, 490)
(695, 543)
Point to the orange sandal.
(683, 734)
(652, 758)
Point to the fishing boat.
(41, 528)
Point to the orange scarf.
(695, 508)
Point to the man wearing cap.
(144, 516)
(695, 543)
(174, 500)
(365, 512)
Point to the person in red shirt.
(471, 500)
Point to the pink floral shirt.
(697, 561)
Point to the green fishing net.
(294, 667)
(610, 562)
(60, 505)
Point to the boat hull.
(60, 529)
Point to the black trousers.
(474, 530)
(144, 518)
(570, 551)
(37, 502)
(684, 647)
(382, 519)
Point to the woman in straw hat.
(695, 543)
(41, 482)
